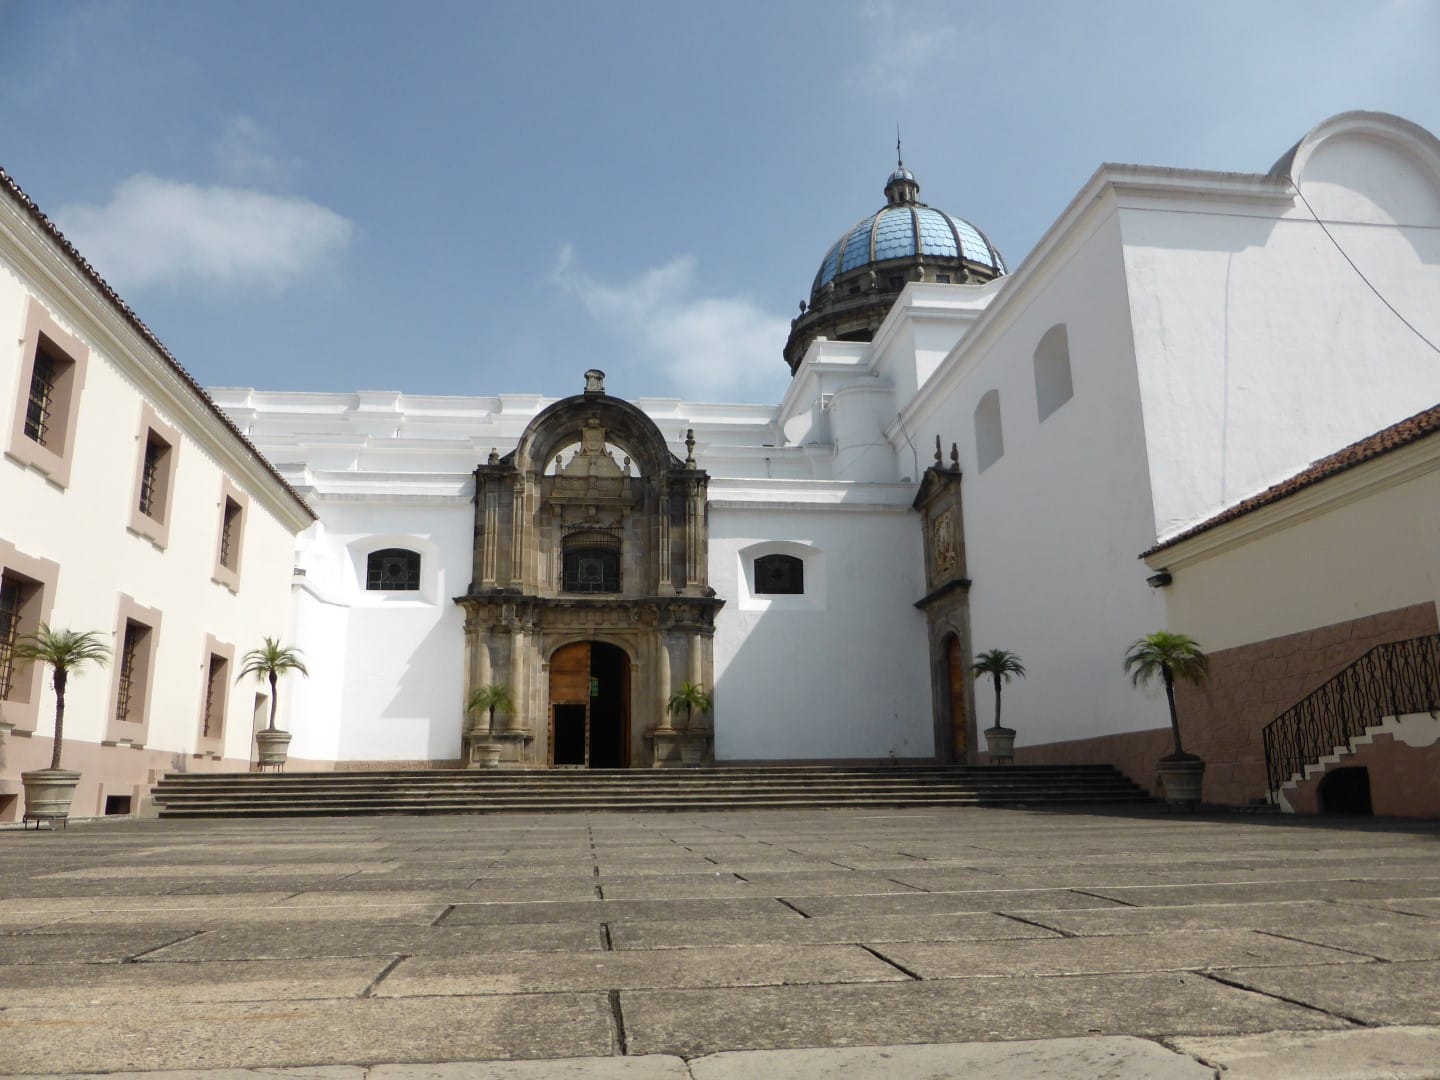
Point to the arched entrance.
(590, 706)
(955, 687)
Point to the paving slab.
(676, 886)
(59, 985)
(1397, 993)
(319, 940)
(832, 929)
(209, 918)
(934, 903)
(1400, 938)
(609, 910)
(1394, 1053)
(1284, 916)
(1382, 889)
(690, 968)
(653, 1067)
(693, 1022)
(80, 948)
(224, 1035)
(1049, 1059)
(80, 905)
(1191, 951)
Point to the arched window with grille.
(393, 570)
(780, 575)
(591, 562)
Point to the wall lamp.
(1159, 579)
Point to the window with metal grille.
(230, 534)
(152, 494)
(11, 596)
(214, 698)
(591, 562)
(129, 661)
(393, 570)
(779, 575)
(40, 409)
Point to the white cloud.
(902, 49)
(155, 231)
(712, 347)
(243, 157)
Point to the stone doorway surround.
(529, 597)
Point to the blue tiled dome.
(891, 233)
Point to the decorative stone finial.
(939, 459)
(954, 458)
(594, 381)
(494, 458)
(689, 448)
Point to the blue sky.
(477, 198)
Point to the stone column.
(516, 721)
(662, 681)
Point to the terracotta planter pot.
(1180, 778)
(1000, 743)
(487, 754)
(48, 794)
(273, 747)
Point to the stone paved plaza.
(970, 942)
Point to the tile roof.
(8, 184)
(1412, 429)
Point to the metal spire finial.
(899, 159)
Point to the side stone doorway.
(590, 706)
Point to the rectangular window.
(127, 699)
(151, 496)
(52, 371)
(215, 687)
(230, 535)
(154, 479)
(40, 409)
(10, 601)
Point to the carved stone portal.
(589, 595)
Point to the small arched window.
(393, 570)
(1053, 385)
(989, 436)
(592, 562)
(779, 575)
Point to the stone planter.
(48, 794)
(1180, 777)
(1000, 744)
(487, 754)
(272, 747)
(692, 751)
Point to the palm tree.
(1171, 656)
(270, 661)
(1000, 665)
(65, 651)
(690, 697)
(489, 699)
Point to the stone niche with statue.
(588, 596)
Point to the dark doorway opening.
(590, 706)
(1346, 791)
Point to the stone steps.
(456, 791)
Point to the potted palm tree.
(1172, 656)
(48, 792)
(268, 663)
(691, 698)
(487, 700)
(1002, 666)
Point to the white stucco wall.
(1260, 348)
(83, 528)
(842, 672)
(1053, 528)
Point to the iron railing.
(1390, 680)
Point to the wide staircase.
(458, 791)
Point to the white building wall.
(841, 672)
(84, 528)
(1260, 347)
(1053, 528)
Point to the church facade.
(969, 456)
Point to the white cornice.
(1352, 485)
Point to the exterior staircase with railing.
(1374, 697)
